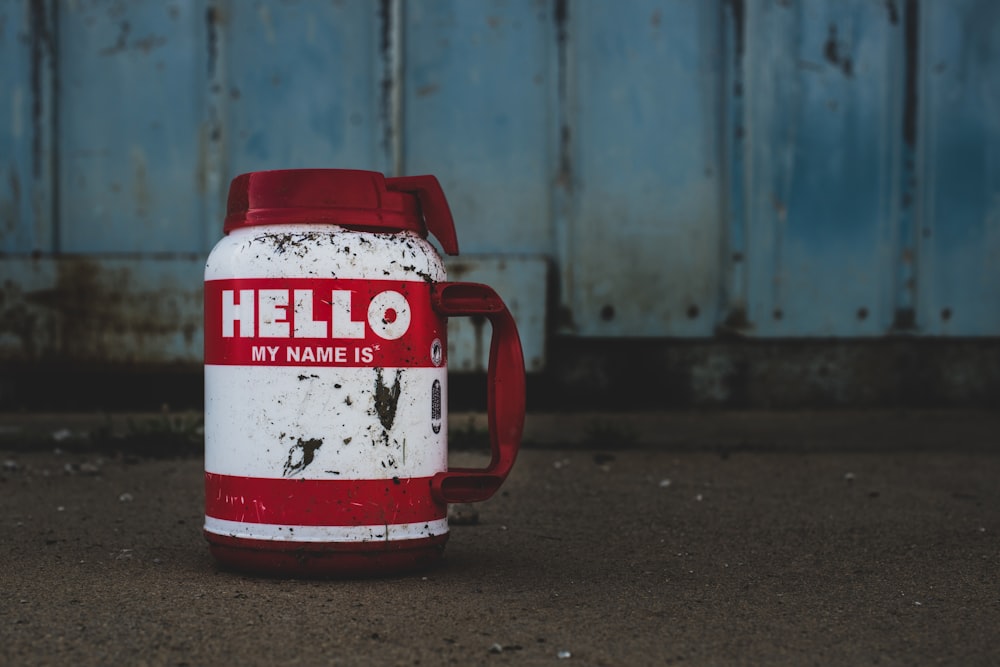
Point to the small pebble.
(562, 655)
(664, 483)
(126, 498)
(463, 514)
(89, 469)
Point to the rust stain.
(149, 43)
(429, 89)
(92, 312)
(121, 42)
(458, 269)
(737, 323)
(834, 53)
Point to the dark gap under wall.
(616, 375)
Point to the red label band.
(322, 322)
(321, 502)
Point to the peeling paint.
(121, 42)
(834, 51)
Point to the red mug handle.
(505, 392)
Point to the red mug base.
(325, 559)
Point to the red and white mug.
(326, 348)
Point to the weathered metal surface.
(130, 82)
(820, 133)
(101, 310)
(774, 169)
(27, 53)
(477, 87)
(644, 203)
(302, 84)
(958, 260)
(146, 310)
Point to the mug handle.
(505, 392)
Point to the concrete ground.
(716, 538)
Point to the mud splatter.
(301, 455)
(386, 399)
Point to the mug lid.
(352, 198)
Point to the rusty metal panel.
(643, 218)
(27, 53)
(772, 169)
(145, 310)
(821, 225)
(101, 310)
(958, 257)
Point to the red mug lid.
(356, 199)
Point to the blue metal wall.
(655, 169)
